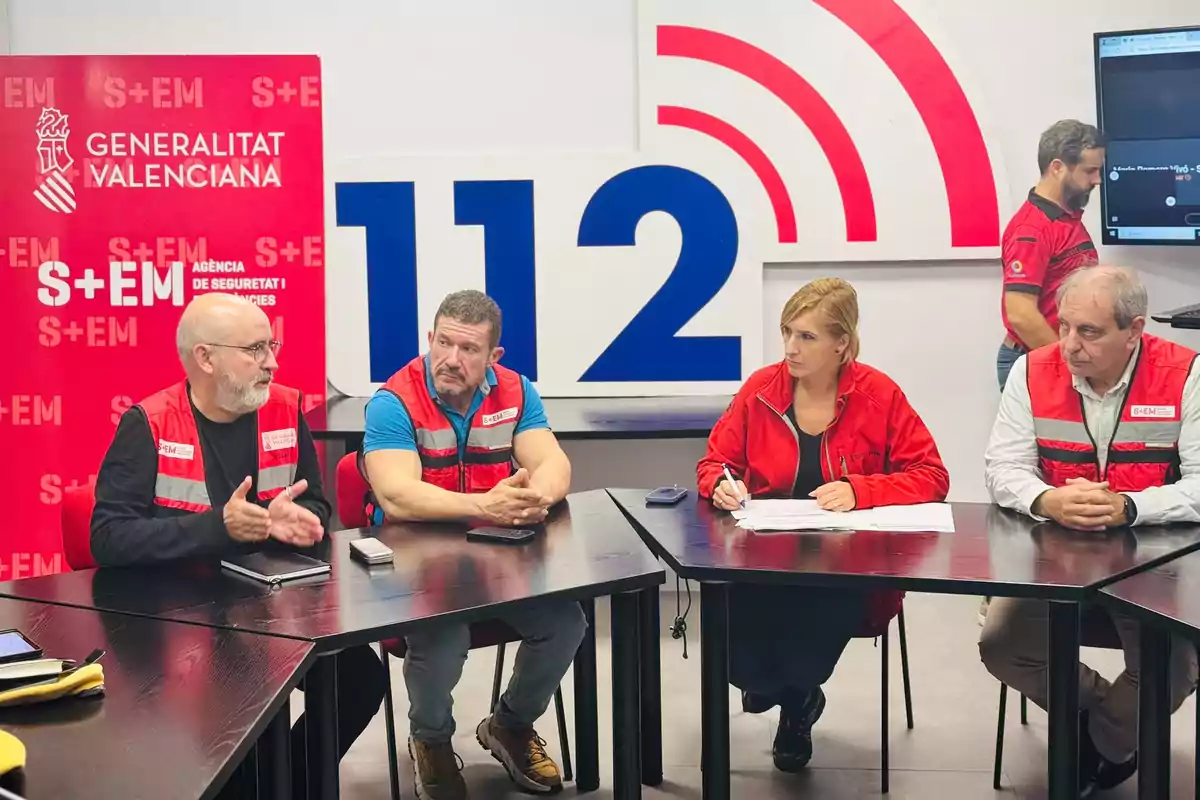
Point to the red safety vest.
(180, 482)
(1144, 450)
(487, 456)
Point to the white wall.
(404, 77)
(4, 26)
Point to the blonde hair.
(837, 300)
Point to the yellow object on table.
(87, 680)
(12, 753)
(12, 763)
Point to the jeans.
(1004, 361)
(433, 665)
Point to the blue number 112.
(648, 349)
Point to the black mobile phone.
(15, 646)
(666, 495)
(501, 535)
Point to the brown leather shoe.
(523, 755)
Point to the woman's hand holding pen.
(727, 497)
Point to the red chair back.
(352, 490)
(77, 505)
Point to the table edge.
(968, 586)
(326, 644)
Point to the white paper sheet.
(806, 515)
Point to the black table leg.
(714, 689)
(321, 736)
(274, 762)
(651, 687)
(1154, 715)
(1064, 700)
(587, 725)
(625, 697)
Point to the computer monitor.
(1148, 106)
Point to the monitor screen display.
(1148, 106)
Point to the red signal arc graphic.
(925, 77)
(751, 153)
(775, 76)
(943, 107)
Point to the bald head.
(225, 344)
(215, 318)
(1115, 288)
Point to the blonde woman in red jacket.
(818, 425)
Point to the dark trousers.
(786, 640)
(360, 687)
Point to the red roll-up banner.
(129, 185)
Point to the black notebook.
(275, 567)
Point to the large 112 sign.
(613, 276)
(769, 130)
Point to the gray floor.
(947, 755)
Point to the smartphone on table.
(15, 646)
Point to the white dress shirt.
(1014, 479)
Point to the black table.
(179, 714)
(993, 552)
(587, 550)
(572, 418)
(1161, 600)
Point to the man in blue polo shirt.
(456, 436)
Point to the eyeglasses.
(258, 349)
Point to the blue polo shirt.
(389, 426)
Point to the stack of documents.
(806, 515)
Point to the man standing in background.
(1046, 240)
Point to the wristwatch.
(1130, 510)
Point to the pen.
(733, 485)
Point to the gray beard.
(240, 399)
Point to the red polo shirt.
(1043, 244)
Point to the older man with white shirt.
(1098, 430)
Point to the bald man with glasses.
(222, 463)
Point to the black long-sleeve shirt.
(128, 528)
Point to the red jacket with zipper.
(876, 442)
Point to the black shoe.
(757, 703)
(793, 739)
(1108, 775)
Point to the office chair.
(77, 505)
(883, 635)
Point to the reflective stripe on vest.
(181, 490)
(273, 480)
(490, 445)
(438, 447)
(492, 438)
(441, 439)
(1152, 434)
